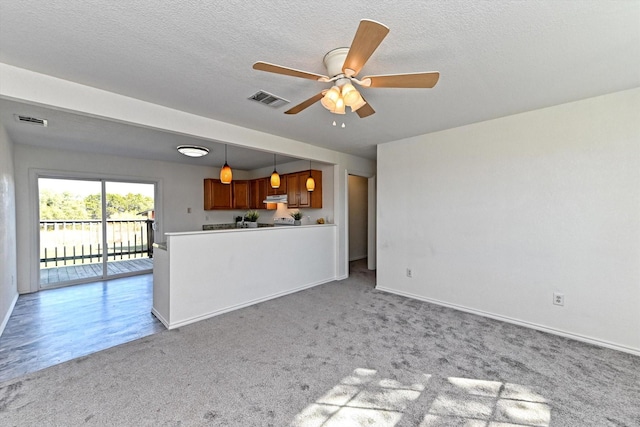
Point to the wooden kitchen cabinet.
(241, 192)
(217, 195)
(244, 194)
(280, 191)
(297, 194)
(258, 193)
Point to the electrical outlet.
(409, 272)
(558, 298)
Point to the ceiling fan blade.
(413, 80)
(366, 110)
(309, 102)
(367, 39)
(278, 69)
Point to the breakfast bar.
(197, 275)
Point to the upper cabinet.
(258, 193)
(315, 196)
(297, 194)
(217, 195)
(280, 191)
(243, 194)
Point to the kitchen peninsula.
(201, 274)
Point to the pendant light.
(225, 173)
(275, 178)
(311, 183)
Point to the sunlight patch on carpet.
(493, 403)
(365, 398)
(362, 398)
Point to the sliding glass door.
(93, 229)
(71, 238)
(128, 219)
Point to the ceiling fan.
(343, 64)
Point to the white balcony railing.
(71, 242)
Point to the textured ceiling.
(496, 58)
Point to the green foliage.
(69, 206)
(62, 206)
(297, 215)
(93, 206)
(252, 216)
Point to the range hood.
(282, 198)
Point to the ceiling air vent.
(269, 99)
(31, 120)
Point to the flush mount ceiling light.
(225, 173)
(193, 150)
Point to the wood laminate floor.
(56, 325)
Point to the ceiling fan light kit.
(350, 94)
(343, 64)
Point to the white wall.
(358, 217)
(494, 217)
(8, 269)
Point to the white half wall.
(495, 217)
(8, 266)
(209, 273)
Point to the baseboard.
(359, 257)
(242, 305)
(162, 320)
(5, 320)
(518, 322)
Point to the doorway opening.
(361, 224)
(92, 230)
(358, 218)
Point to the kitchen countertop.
(230, 226)
(268, 228)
